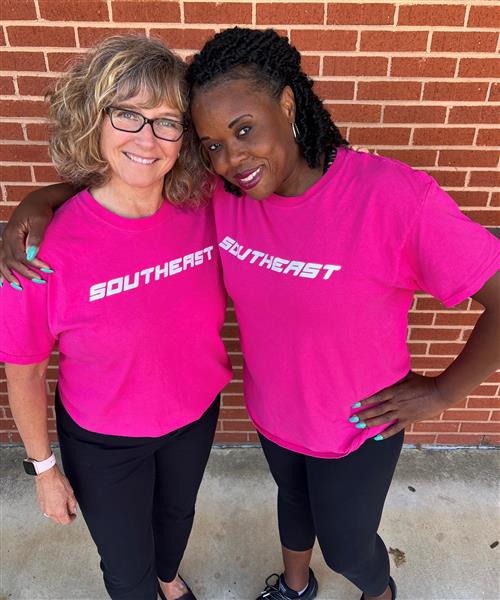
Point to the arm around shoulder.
(25, 230)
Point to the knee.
(294, 497)
(348, 561)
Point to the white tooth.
(142, 161)
(252, 175)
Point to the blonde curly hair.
(117, 69)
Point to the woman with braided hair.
(322, 249)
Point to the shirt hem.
(472, 287)
(23, 360)
(182, 423)
(301, 450)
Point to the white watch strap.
(44, 465)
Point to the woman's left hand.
(414, 398)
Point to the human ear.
(287, 103)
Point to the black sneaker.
(280, 591)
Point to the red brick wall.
(414, 80)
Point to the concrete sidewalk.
(441, 519)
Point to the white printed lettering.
(278, 264)
(175, 266)
(243, 255)
(161, 270)
(188, 261)
(330, 269)
(226, 243)
(118, 283)
(310, 270)
(235, 248)
(147, 274)
(255, 255)
(130, 286)
(267, 261)
(97, 291)
(295, 267)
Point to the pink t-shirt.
(136, 306)
(322, 284)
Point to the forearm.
(28, 402)
(51, 196)
(479, 358)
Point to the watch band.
(36, 467)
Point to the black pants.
(340, 502)
(137, 496)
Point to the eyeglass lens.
(128, 120)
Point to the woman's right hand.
(55, 496)
(25, 230)
(21, 240)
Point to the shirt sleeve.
(446, 254)
(25, 336)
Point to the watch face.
(29, 467)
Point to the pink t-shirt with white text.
(322, 284)
(136, 306)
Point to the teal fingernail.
(31, 252)
(354, 419)
(378, 438)
(44, 270)
(37, 280)
(1, 283)
(356, 405)
(16, 287)
(360, 425)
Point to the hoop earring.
(295, 131)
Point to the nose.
(146, 136)
(235, 154)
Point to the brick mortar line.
(396, 3)
(110, 10)
(354, 101)
(420, 54)
(340, 78)
(359, 27)
(467, 13)
(37, 10)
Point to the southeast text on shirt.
(285, 266)
(125, 283)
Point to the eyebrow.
(233, 122)
(134, 108)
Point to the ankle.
(297, 582)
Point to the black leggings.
(340, 502)
(137, 496)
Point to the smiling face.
(139, 161)
(247, 135)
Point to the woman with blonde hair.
(135, 304)
(322, 249)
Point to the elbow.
(26, 373)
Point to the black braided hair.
(271, 63)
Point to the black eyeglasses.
(132, 121)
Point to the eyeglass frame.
(145, 121)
